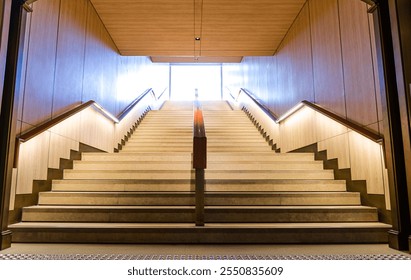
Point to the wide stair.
(145, 193)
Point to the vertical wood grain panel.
(302, 66)
(327, 62)
(60, 148)
(295, 80)
(375, 68)
(13, 189)
(93, 64)
(366, 162)
(298, 131)
(357, 61)
(23, 76)
(5, 19)
(29, 169)
(337, 147)
(41, 62)
(70, 55)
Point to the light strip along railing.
(199, 162)
(60, 118)
(351, 125)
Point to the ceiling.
(197, 30)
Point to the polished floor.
(203, 250)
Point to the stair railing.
(199, 162)
(349, 124)
(64, 116)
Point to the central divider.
(199, 161)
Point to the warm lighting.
(290, 112)
(106, 113)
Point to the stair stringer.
(373, 200)
(30, 199)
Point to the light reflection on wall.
(186, 78)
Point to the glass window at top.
(186, 79)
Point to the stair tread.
(133, 207)
(191, 225)
(261, 193)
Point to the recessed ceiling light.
(197, 38)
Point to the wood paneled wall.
(327, 57)
(71, 59)
(5, 6)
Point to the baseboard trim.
(398, 241)
(5, 239)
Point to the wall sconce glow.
(290, 112)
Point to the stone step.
(238, 148)
(177, 142)
(189, 174)
(157, 149)
(170, 156)
(128, 174)
(189, 139)
(212, 233)
(188, 185)
(269, 174)
(213, 214)
(188, 198)
(162, 143)
(187, 165)
(268, 156)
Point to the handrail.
(47, 125)
(199, 162)
(161, 94)
(265, 109)
(349, 124)
(200, 139)
(133, 103)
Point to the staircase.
(144, 193)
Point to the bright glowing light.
(186, 78)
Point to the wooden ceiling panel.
(227, 28)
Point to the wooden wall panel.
(29, 169)
(327, 62)
(298, 131)
(4, 25)
(295, 74)
(22, 82)
(41, 62)
(93, 60)
(60, 147)
(357, 60)
(377, 79)
(367, 163)
(70, 55)
(302, 66)
(337, 147)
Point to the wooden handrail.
(200, 139)
(47, 125)
(265, 109)
(199, 162)
(349, 124)
(133, 104)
